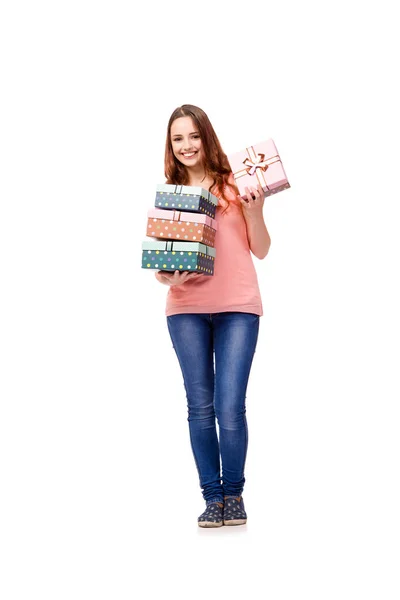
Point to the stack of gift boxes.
(182, 227)
(182, 224)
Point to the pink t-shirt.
(234, 285)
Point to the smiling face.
(186, 142)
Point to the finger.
(259, 200)
(248, 194)
(262, 194)
(245, 205)
(185, 275)
(189, 275)
(245, 201)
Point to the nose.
(187, 144)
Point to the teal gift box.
(178, 256)
(186, 198)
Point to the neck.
(197, 175)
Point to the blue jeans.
(216, 388)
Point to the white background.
(99, 493)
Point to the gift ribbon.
(256, 165)
(176, 215)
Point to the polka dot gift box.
(259, 164)
(182, 226)
(181, 256)
(186, 198)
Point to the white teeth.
(189, 154)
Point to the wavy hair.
(216, 163)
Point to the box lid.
(172, 246)
(193, 247)
(177, 215)
(189, 190)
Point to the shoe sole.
(236, 522)
(210, 524)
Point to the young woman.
(213, 320)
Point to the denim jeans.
(215, 353)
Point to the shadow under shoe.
(234, 512)
(212, 516)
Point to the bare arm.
(258, 236)
(257, 232)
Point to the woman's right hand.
(177, 277)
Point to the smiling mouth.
(189, 154)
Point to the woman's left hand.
(253, 206)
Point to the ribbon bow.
(258, 163)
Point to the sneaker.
(234, 513)
(212, 516)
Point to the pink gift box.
(259, 164)
(179, 225)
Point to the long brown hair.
(215, 160)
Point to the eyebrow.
(175, 134)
